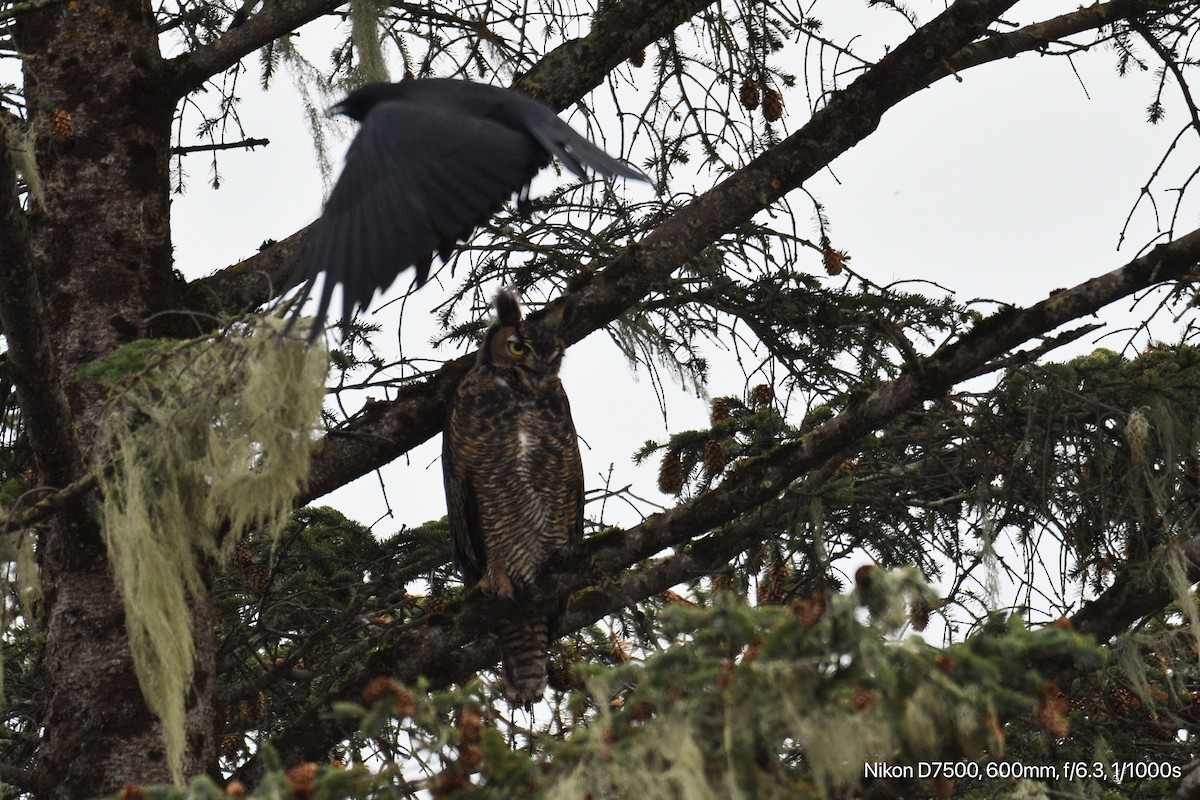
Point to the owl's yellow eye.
(516, 348)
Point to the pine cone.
(619, 649)
(378, 689)
(749, 94)
(61, 123)
(642, 710)
(772, 587)
(132, 791)
(558, 676)
(919, 615)
(638, 59)
(670, 473)
(255, 711)
(764, 393)
(671, 598)
(862, 577)
(470, 733)
(231, 746)
(835, 260)
(714, 457)
(1051, 711)
(863, 698)
(810, 611)
(722, 408)
(257, 579)
(772, 105)
(242, 555)
(300, 780)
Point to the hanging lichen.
(19, 575)
(206, 439)
(364, 34)
(20, 145)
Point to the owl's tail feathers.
(524, 647)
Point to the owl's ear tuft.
(508, 310)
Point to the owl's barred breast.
(527, 519)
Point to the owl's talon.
(497, 585)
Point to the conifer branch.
(395, 426)
(1139, 590)
(248, 144)
(190, 70)
(48, 505)
(560, 78)
(247, 284)
(1040, 35)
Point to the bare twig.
(249, 144)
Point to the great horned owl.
(514, 480)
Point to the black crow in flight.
(433, 160)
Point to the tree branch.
(33, 363)
(1042, 34)
(249, 144)
(574, 68)
(1137, 591)
(17, 777)
(455, 654)
(248, 284)
(48, 505)
(394, 427)
(17, 9)
(189, 71)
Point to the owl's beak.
(536, 372)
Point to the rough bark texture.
(100, 263)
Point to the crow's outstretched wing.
(417, 179)
(434, 159)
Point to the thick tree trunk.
(100, 251)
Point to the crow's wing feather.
(434, 159)
(522, 112)
(417, 179)
(575, 151)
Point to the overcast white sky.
(1006, 185)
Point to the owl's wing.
(462, 512)
(575, 476)
(418, 178)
